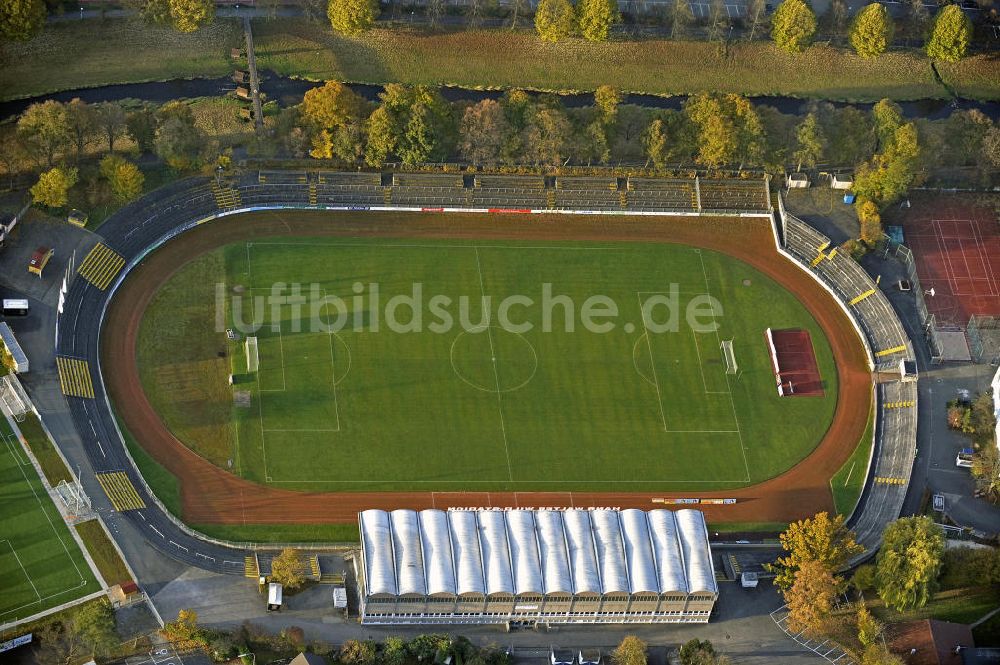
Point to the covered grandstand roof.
(514, 552)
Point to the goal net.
(729, 356)
(73, 498)
(14, 398)
(253, 360)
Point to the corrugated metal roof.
(667, 549)
(546, 551)
(496, 552)
(437, 550)
(639, 552)
(376, 537)
(610, 551)
(408, 552)
(466, 553)
(524, 552)
(695, 548)
(13, 347)
(552, 551)
(582, 556)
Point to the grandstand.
(546, 566)
(887, 343)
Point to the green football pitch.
(489, 404)
(41, 565)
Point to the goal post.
(729, 356)
(15, 400)
(253, 360)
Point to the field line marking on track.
(604, 481)
(24, 570)
(301, 430)
(333, 373)
(732, 402)
(652, 363)
(496, 374)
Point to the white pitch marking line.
(496, 374)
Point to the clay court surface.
(956, 245)
(211, 495)
(796, 363)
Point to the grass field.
(848, 483)
(40, 563)
(103, 552)
(76, 54)
(363, 410)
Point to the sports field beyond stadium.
(41, 565)
(416, 419)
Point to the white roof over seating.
(536, 552)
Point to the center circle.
(493, 360)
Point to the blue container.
(849, 198)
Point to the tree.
(872, 30)
(700, 652)
(185, 629)
(718, 19)
(607, 99)
(793, 25)
(756, 15)
(381, 130)
(331, 105)
(887, 176)
(869, 628)
(45, 127)
(681, 18)
(52, 188)
(835, 18)
(991, 146)
(124, 178)
(878, 654)
(483, 130)
(81, 121)
(908, 562)
(951, 33)
(810, 141)
(353, 652)
(434, 10)
(547, 137)
(870, 220)
(986, 471)
(656, 144)
(111, 118)
(286, 568)
(917, 18)
(59, 643)
(95, 622)
(20, 20)
(811, 598)
(189, 15)
(179, 143)
(554, 20)
(352, 17)
(394, 651)
(596, 17)
(819, 538)
(630, 651)
(141, 126)
(863, 578)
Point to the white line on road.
(157, 531)
(178, 545)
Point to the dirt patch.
(212, 495)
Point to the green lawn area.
(957, 605)
(80, 54)
(501, 59)
(103, 552)
(40, 563)
(76, 54)
(358, 410)
(282, 533)
(44, 450)
(163, 483)
(847, 484)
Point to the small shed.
(797, 181)
(10, 343)
(907, 371)
(340, 598)
(589, 657)
(39, 260)
(124, 593)
(561, 656)
(15, 307)
(748, 580)
(77, 217)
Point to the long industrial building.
(535, 566)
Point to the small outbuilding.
(797, 181)
(77, 217)
(274, 597)
(12, 348)
(841, 181)
(39, 260)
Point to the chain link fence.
(928, 321)
(983, 333)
